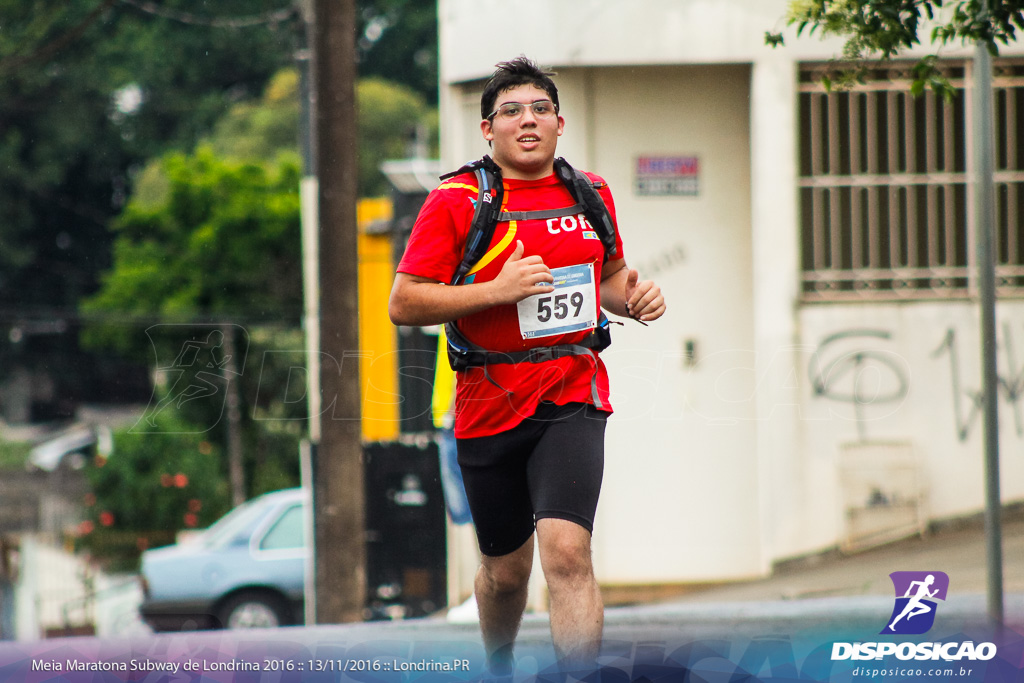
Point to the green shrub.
(152, 486)
(14, 454)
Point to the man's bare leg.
(577, 610)
(501, 591)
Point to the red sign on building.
(675, 176)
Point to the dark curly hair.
(511, 74)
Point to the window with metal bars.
(885, 187)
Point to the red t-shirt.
(435, 250)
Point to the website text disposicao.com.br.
(909, 672)
(952, 659)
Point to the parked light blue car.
(245, 571)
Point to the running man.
(915, 605)
(199, 372)
(530, 435)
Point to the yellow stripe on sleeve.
(463, 186)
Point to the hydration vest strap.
(485, 217)
(467, 168)
(582, 189)
(464, 354)
(595, 395)
(540, 215)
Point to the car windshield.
(228, 527)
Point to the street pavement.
(957, 549)
(778, 628)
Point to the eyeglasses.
(512, 111)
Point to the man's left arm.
(624, 293)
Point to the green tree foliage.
(392, 117)
(87, 90)
(880, 29)
(213, 237)
(264, 128)
(214, 240)
(398, 42)
(90, 89)
(223, 243)
(106, 100)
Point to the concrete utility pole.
(339, 516)
(984, 217)
(310, 289)
(236, 468)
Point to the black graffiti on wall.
(968, 403)
(846, 368)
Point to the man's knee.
(568, 563)
(565, 552)
(508, 573)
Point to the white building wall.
(720, 469)
(676, 445)
(775, 250)
(475, 34)
(915, 371)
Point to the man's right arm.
(418, 300)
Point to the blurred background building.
(814, 385)
(815, 381)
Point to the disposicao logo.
(916, 595)
(913, 613)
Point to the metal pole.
(308, 196)
(984, 158)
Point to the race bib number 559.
(571, 307)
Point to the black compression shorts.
(549, 465)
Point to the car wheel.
(253, 610)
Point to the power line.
(269, 18)
(55, 46)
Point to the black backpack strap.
(468, 167)
(464, 354)
(594, 208)
(485, 215)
